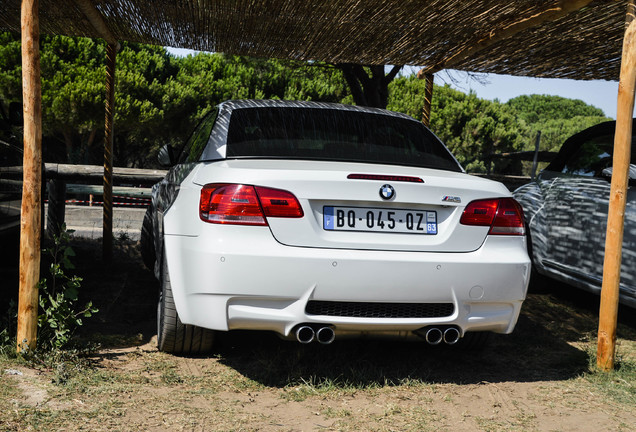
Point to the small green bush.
(60, 315)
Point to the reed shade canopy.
(584, 44)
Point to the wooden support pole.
(97, 21)
(608, 314)
(107, 236)
(428, 99)
(30, 220)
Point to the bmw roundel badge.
(387, 192)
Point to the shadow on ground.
(551, 341)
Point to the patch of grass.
(417, 418)
(171, 377)
(112, 340)
(330, 413)
(123, 236)
(619, 384)
(314, 387)
(8, 393)
(520, 422)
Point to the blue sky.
(601, 94)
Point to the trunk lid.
(421, 217)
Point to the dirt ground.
(540, 378)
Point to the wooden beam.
(93, 174)
(30, 220)
(428, 99)
(608, 313)
(96, 20)
(558, 10)
(124, 191)
(107, 232)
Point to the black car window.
(195, 145)
(592, 157)
(329, 134)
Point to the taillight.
(240, 204)
(504, 216)
(279, 203)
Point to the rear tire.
(172, 335)
(146, 243)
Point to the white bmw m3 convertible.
(318, 221)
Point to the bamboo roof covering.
(584, 44)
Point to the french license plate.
(379, 220)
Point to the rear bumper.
(238, 278)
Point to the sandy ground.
(200, 401)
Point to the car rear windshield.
(329, 134)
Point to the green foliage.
(205, 80)
(472, 128)
(541, 108)
(60, 316)
(10, 68)
(8, 328)
(160, 98)
(557, 118)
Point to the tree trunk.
(371, 91)
(88, 150)
(68, 142)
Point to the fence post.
(535, 161)
(55, 214)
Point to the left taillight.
(246, 205)
(504, 216)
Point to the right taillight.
(504, 216)
(279, 203)
(238, 204)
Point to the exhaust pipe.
(451, 336)
(305, 334)
(434, 336)
(325, 335)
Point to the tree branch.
(393, 73)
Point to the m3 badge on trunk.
(453, 199)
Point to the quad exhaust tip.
(325, 335)
(451, 336)
(436, 335)
(306, 334)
